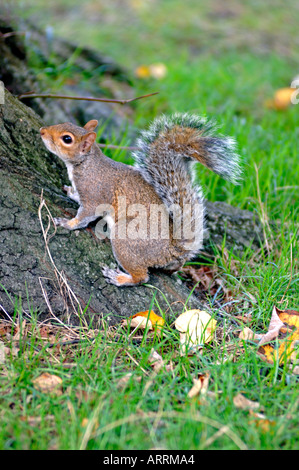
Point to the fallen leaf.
(5, 330)
(244, 318)
(295, 370)
(144, 320)
(156, 361)
(20, 330)
(35, 420)
(247, 334)
(259, 420)
(196, 327)
(123, 382)
(143, 71)
(158, 71)
(200, 385)
(284, 325)
(242, 402)
(274, 328)
(282, 98)
(2, 352)
(46, 331)
(48, 383)
(291, 320)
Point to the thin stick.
(83, 98)
(3, 309)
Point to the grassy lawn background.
(224, 59)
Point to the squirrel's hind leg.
(130, 261)
(120, 279)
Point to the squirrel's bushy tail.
(176, 138)
(170, 146)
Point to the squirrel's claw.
(119, 279)
(116, 277)
(110, 275)
(61, 222)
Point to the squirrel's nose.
(42, 131)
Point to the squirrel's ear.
(91, 125)
(87, 141)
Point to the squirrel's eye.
(67, 139)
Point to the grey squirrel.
(161, 178)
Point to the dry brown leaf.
(46, 331)
(156, 361)
(20, 330)
(123, 382)
(244, 318)
(2, 352)
(200, 385)
(48, 383)
(285, 327)
(247, 334)
(5, 330)
(274, 328)
(242, 402)
(35, 420)
(261, 421)
(11, 350)
(206, 276)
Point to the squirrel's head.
(68, 141)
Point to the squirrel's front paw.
(61, 222)
(66, 188)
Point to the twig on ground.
(8, 316)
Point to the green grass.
(153, 409)
(223, 61)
